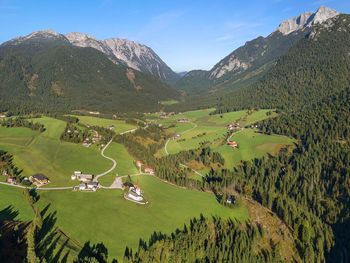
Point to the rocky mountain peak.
(306, 20)
(77, 36)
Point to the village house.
(85, 178)
(149, 170)
(231, 200)
(232, 144)
(39, 179)
(176, 136)
(233, 126)
(90, 186)
(11, 180)
(183, 120)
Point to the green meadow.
(119, 125)
(36, 152)
(125, 163)
(169, 102)
(205, 128)
(105, 216)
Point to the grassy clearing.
(169, 102)
(252, 145)
(117, 222)
(119, 125)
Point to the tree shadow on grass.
(9, 213)
(97, 252)
(52, 245)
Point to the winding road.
(109, 158)
(71, 187)
(181, 164)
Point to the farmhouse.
(231, 199)
(85, 178)
(233, 126)
(183, 120)
(232, 144)
(39, 179)
(11, 180)
(90, 186)
(149, 170)
(176, 136)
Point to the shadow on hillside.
(97, 251)
(51, 244)
(8, 213)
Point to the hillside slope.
(251, 61)
(47, 73)
(317, 67)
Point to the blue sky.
(185, 34)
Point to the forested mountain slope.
(251, 61)
(315, 68)
(46, 73)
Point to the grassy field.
(105, 216)
(203, 127)
(125, 163)
(252, 145)
(169, 102)
(119, 125)
(44, 153)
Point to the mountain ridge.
(120, 51)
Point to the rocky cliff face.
(263, 50)
(130, 53)
(119, 51)
(306, 20)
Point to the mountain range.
(249, 62)
(44, 71)
(75, 70)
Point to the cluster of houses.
(233, 126)
(146, 169)
(165, 115)
(39, 179)
(86, 181)
(95, 138)
(232, 144)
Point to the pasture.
(105, 216)
(36, 152)
(119, 125)
(211, 130)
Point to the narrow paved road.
(109, 158)
(38, 188)
(166, 144)
(71, 187)
(181, 164)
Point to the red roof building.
(233, 144)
